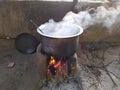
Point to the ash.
(71, 82)
(66, 84)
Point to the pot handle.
(36, 26)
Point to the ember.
(56, 67)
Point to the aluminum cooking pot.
(60, 45)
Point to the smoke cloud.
(106, 17)
(102, 15)
(61, 29)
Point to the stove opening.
(57, 66)
(61, 66)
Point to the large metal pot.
(63, 46)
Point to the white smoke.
(83, 18)
(60, 29)
(105, 16)
(102, 15)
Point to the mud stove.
(64, 66)
(60, 48)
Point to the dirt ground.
(23, 75)
(98, 69)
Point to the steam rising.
(105, 16)
(60, 29)
(101, 15)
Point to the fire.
(56, 66)
(52, 61)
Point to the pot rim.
(39, 30)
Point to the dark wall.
(15, 16)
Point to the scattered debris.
(11, 64)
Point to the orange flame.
(58, 66)
(52, 61)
